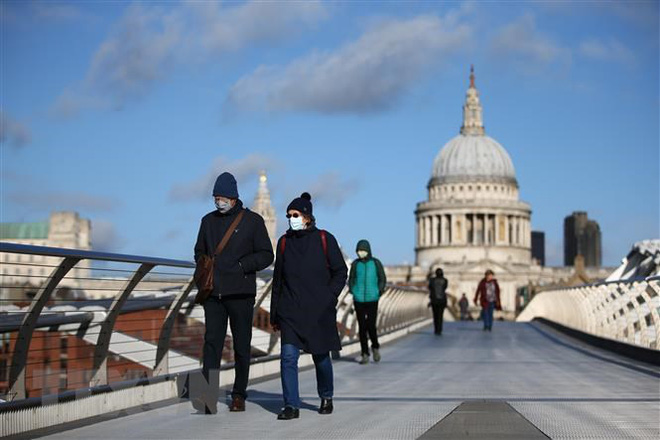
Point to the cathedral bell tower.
(264, 208)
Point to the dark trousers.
(239, 312)
(438, 312)
(488, 315)
(289, 375)
(367, 313)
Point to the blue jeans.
(289, 372)
(488, 315)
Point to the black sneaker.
(288, 413)
(326, 406)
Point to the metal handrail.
(622, 310)
(606, 283)
(395, 314)
(91, 255)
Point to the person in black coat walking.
(234, 289)
(438, 297)
(310, 273)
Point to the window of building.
(649, 320)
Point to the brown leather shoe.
(237, 404)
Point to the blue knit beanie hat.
(225, 186)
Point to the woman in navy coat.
(310, 273)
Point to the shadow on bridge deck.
(560, 386)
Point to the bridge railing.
(73, 319)
(625, 311)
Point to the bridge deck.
(550, 382)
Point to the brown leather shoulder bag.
(205, 264)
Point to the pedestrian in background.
(310, 273)
(438, 295)
(366, 282)
(463, 305)
(247, 251)
(488, 296)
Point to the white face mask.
(222, 206)
(297, 223)
(362, 254)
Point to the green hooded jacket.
(366, 280)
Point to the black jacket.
(248, 250)
(306, 285)
(438, 290)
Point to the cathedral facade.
(473, 212)
(474, 220)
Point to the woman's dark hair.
(490, 272)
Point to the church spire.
(472, 112)
(264, 208)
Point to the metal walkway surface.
(549, 384)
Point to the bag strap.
(229, 233)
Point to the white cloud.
(229, 29)
(612, 50)
(644, 13)
(242, 169)
(139, 52)
(13, 132)
(55, 11)
(105, 237)
(63, 201)
(149, 42)
(367, 75)
(70, 103)
(529, 49)
(332, 190)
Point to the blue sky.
(126, 112)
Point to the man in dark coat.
(488, 296)
(234, 289)
(438, 297)
(310, 273)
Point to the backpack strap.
(324, 243)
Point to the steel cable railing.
(625, 311)
(64, 332)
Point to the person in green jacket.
(366, 282)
